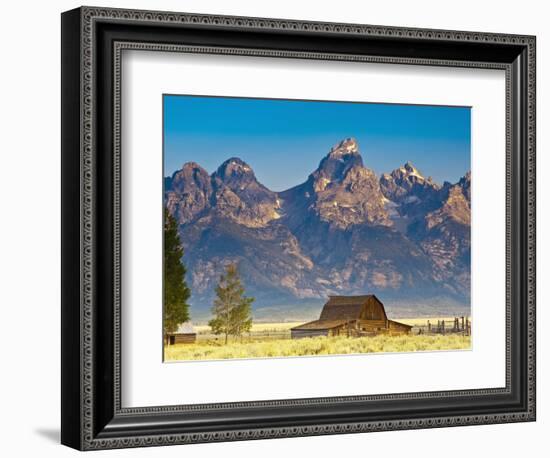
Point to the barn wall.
(373, 310)
(372, 325)
(301, 333)
(185, 338)
(398, 328)
(341, 330)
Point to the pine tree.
(231, 309)
(176, 292)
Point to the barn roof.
(346, 307)
(401, 324)
(320, 325)
(185, 328)
(349, 300)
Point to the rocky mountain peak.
(188, 192)
(191, 177)
(411, 169)
(340, 159)
(234, 168)
(406, 182)
(455, 208)
(191, 166)
(465, 183)
(240, 197)
(344, 147)
(408, 172)
(342, 191)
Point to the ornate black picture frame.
(92, 42)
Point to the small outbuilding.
(185, 334)
(351, 316)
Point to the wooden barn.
(351, 316)
(184, 334)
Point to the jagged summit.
(341, 192)
(340, 159)
(407, 182)
(411, 169)
(407, 172)
(465, 183)
(233, 167)
(191, 166)
(346, 146)
(193, 182)
(190, 177)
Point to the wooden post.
(462, 318)
(443, 326)
(429, 326)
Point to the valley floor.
(261, 348)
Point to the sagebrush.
(316, 346)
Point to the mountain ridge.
(344, 230)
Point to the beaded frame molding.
(93, 40)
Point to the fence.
(458, 325)
(248, 336)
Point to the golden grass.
(315, 346)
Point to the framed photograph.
(276, 228)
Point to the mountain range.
(344, 230)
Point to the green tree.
(231, 309)
(176, 292)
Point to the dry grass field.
(260, 348)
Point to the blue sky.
(284, 141)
